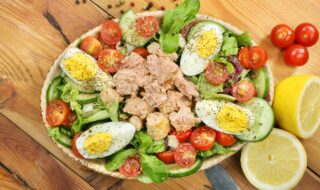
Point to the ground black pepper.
(84, 1)
(109, 6)
(132, 4)
(149, 6)
(121, 11)
(77, 2)
(162, 7)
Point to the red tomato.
(143, 52)
(182, 136)
(111, 32)
(147, 26)
(216, 73)
(282, 36)
(225, 139)
(203, 137)
(166, 156)
(57, 112)
(131, 168)
(243, 91)
(296, 55)
(72, 117)
(110, 60)
(306, 34)
(185, 155)
(253, 57)
(92, 46)
(73, 145)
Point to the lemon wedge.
(297, 105)
(278, 162)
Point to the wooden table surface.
(34, 32)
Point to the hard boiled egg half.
(205, 43)
(104, 139)
(84, 70)
(224, 116)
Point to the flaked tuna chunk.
(155, 49)
(133, 60)
(158, 126)
(154, 94)
(186, 87)
(183, 119)
(138, 107)
(110, 95)
(125, 82)
(175, 101)
(162, 68)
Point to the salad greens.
(232, 42)
(244, 39)
(206, 89)
(216, 149)
(174, 21)
(118, 159)
(152, 167)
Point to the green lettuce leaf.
(153, 168)
(244, 40)
(217, 149)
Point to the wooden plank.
(32, 163)
(26, 54)
(8, 181)
(312, 147)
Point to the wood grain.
(27, 52)
(8, 181)
(32, 163)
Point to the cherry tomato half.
(132, 167)
(203, 137)
(282, 36)
(57, 112)
(243, 91)
(182, 136)
(110, 60)
(91, 46)
(185, 155)
(225, 139)
(296, 55)
(166, 156)
(72, 117)
(253, 57)
(73, 145)
(111, 32)
(143, 52)
(306, 34)
(147, 26)
(216, 73)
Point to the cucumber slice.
(260, 80)
(198, 27)
(130, 35)
(63, 140)
(263, 120)
(101, 115)
(177, 171)
(52, 92)
(87, 98)
(64, 131)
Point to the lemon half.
(278, 162)
(297, 105)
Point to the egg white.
(191, 63)
(207, 110)
(121, 132)
(101, 79)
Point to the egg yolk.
(232, 119)
(97, 143)
(206, 44)
(80, 67)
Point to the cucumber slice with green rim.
(65, 132)
(177, 171)
(263, 120)
(87, 98)
(130, 35)
(260, 80)
(198, 27)
(52, 92)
